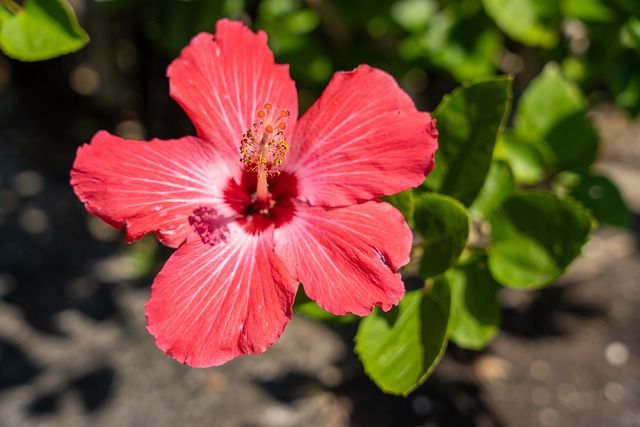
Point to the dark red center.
(256, 214)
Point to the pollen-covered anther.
(264, 146)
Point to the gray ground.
(74, 350)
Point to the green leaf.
(588, 10)
(413, 14)
(549, 99)
(630, 33)
(469, 121)
(443, 222)
(574, 142)
(602, 197)
(305, 306)
(42, 29)
(5, 14)
(626, 80)
(552, 109)
(400, 348)
(529, 160)
(436, 178)
(532, 22)
(405, 202)
(536, 235)
(499, 184)
(463, 46)
(475, 314)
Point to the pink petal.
(149, 186)
(346, 258)
(210, 304)
(222, 81)
(363, 138)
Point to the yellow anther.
(263, 145)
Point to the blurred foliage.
(39, 29)
(514, 195)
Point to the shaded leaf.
(602, 197)
(532, 22)
(625, 80)
(552, 109)
(574, 142)
(475, 314)
(549, 99)
(536, 235)
(465, 47)
(529, 160)
(405, 202)
(443, 222)
(413, 14)
(400, 348)
(469, 121)
(588, 10)
(436, 178)
(499, 184)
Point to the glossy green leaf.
(443, 223)
(400, 348)
(469, 121)
(405, 202)
(42, 29)
(532, 22)
(602, 197)
(552, 109)
(499, 184)
(536, 235)
(475, 314)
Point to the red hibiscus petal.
(149, 186)
(346, 258)
(362, 139)
(210, 304)
(222, 81)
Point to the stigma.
(263, 146)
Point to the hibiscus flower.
(260, 201)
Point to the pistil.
(264, 147)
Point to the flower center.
(263, 146)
